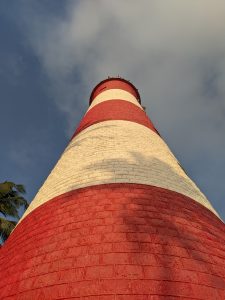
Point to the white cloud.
(173, 51)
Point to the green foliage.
(11, 200)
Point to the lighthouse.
(117, 218)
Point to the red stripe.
(115, 83)
(116, 239)
(115, 110)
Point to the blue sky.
(52, 53)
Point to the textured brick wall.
(113, 152)
(114, 221)
(116, 242)
(115, 110)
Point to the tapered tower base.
(117, 218)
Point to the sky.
(53, 53)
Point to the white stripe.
(116, 152)
(113, 94)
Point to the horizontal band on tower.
(115, 83)
(117, 152)
(115, 110)
(110, 239)
(113, 94)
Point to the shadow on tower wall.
(177, 242)
(119, 241)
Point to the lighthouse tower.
(117, 218)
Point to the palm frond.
(8, 186)
(11, 200)
(10, 193)
(8, 209)
(6, 228)
(15, 200)
(20, 188)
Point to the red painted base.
(116, 242)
